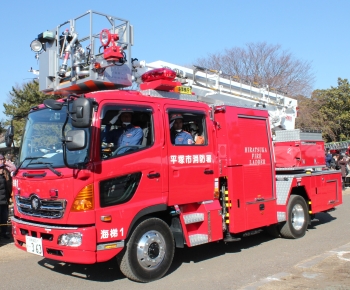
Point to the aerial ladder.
(342, 146)
(213, 84)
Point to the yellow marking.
(112, 246)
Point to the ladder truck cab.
(151, 186)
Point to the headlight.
(36, 45)
(70, 240)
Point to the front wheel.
(149, 251)
(297, 220)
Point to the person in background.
(328, 158)
(334, 162)
(9, 164)
(347, 178)
(342, 163)
(5, 191)
(177, 135)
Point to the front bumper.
(86, 253)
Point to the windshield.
(41, 144)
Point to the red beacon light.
(112, 52)
(158, 74)
(159, 79)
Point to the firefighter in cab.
(124, 136)
(179, 136)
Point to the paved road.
(320, 260)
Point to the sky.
(182, 31)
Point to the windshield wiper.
(27, 158)
(48, 165)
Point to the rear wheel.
(297, 221)
(149, 251)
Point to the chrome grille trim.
(42, 225)
(51, 209)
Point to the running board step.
(198, 239)
(193, 218)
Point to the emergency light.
(105, 37)
(158, 74)
(112, 52)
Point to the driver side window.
(125, 130)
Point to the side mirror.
(81, 113)
(9, 136)
(76, 140)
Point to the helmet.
(175, 116)
(193, 127)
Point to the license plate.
(183, 90)
(34, 245)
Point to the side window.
(125, 130)
(187, 128)
(118, 190)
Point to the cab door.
(191, 170)
(129, 183)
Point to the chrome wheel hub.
(151, 250)
(298, 218)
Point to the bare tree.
(267, 65)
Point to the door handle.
(25, 174)
(208, 171)
(153, 175)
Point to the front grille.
(52, 209)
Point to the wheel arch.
(158, 210)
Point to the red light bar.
(158, 74)
(161, 85)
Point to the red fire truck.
(79, 199)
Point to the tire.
(297, 218)
(149, 252)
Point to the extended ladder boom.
(231, 90)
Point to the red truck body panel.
(299, 154)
